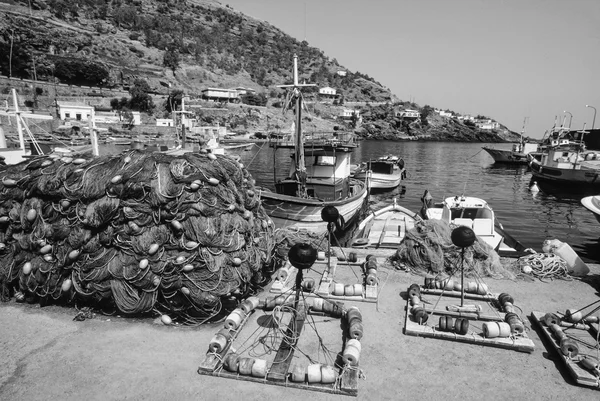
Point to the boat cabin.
(474, 213)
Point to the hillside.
(187, 46)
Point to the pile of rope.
(428, 249)
(140, 231)
(545, 266)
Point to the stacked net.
(140, 231)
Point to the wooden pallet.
(369, 293)
(578, 373)
(457, 294)
(279, 371)
(412, 328)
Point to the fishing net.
(139, 232)
(428, 249)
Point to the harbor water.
(449, 169)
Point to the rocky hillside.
(187, 46)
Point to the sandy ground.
(45, 355)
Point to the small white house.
(445, 113)
(243, 91)
(348, 113)
(487, 125)
(74, 111)
(327, 91)
(164, 122)
(408, 113)
(137, 118)
(342, 73)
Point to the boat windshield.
(325, 161)
(471, 213)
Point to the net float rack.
(281, 341)
(574, 337)
(362, 288)
(490, 320)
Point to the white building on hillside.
(487, 125)
(327, 91)
(74, 111)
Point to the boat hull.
(381, 181)
(506, 156)
(592, 203)
(564, 176)
(299, 213)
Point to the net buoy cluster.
(333, 309)
(340, 289)
(418, 313)
(137, 231)
(496, 329)
(450, 284)
(354, 321)
(370, 269)
(448, 324)
(245, 366)
(313, 373)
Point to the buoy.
(302, 255)
(233, 321)
(9, 182)
(338, 289)
(31, 215)
(463, 237)
(415, 301)
(569, 347)
(217, 343)
(282, 274)
(330, 214)
(328, 375)
(352, 257)
(527, 269)
(166, 320)
(46, 163)
(356, 330)
(245, 365)
(213, 181)
(46, 249)
(353, 313)
(496, 329)
(461, 326)
(457, 286)
(153, 249)
(249, 304)
(317, 305)
(180, 259)
(371, 279)
(185, 291)
(177, 226)
(191, 245)
(116, 179)
(482, 288)
(358, 289)
(74, 254)
(419, 315)
(446, 323)
(429, 282)
(259, 368)
(504, 298)
(27, 267)
(212, 156)
(195, 185)
(414, 290)
(348, 290)
(308, 284)
(231, 362)
(590, 364)
(143, 264)
(351, 354)
(299, 374)
(66, 285)
(534, 188)
(188, 268)
(79, 161)
(516, 325)
(321, 255)
(449, 284)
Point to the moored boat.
(476, 214)
(383, 173)
(319, 176)
(517, 154)
(592, 203)
(564, 159)
(385, 228)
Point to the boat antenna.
(300, 167)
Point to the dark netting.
(138, 231)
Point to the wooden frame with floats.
(574, 336)
(221, 360)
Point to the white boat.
(383, 173)
(385, 228)
(563, 159)
(476, 214)
(319, 176)
(592, 203)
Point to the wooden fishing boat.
(385, 228)
(517, 154)
(319, 176)
(383, 173)
(476, 214)
(563, 159)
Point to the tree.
(174, 100)
(426, 111)
(140, 97)
(171, 58)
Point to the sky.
(515, 61)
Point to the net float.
(66, 160)
(212, 156)
(66, 285)
(31, 215)
(461, 326)
(213, 181)
(231, 362)
(188, 268)
(27, 267)
(65, 203)
(153, 249)
(46, 163)
(79, 161)
(177, 226)
(236, 261)
(9, 182)
(166, 320)
(143, 264)
(46, 249)
(116, 179)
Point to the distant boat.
(319, 177)
(592, 203)
(383, 173)
(565, 160)
(518, 153)
(476, 214)
(385, 228)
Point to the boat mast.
(18, 115)
(300, 167)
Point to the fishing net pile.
(428, 249)
(285, 238)
(140, 231)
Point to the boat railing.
(316, 139)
